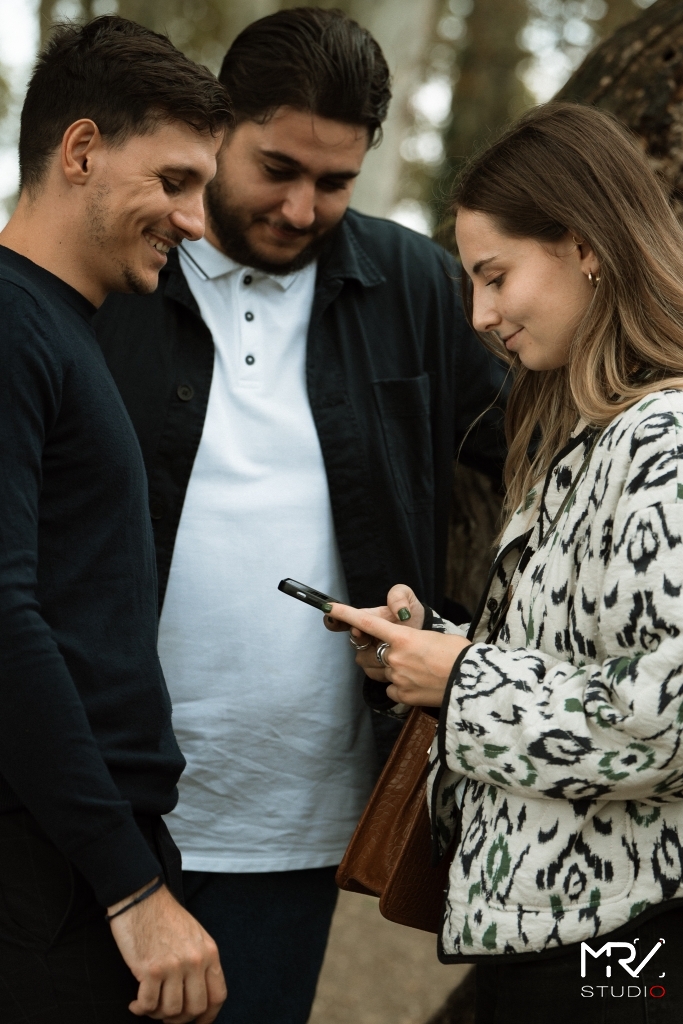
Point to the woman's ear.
(589, 262)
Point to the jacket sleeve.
(49, 758)
(532, 724)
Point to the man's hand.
(173, 958)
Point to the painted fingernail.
(403, 614)
(326, 607)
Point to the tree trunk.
(487, 93)
(45, 20)
(474, 525)
(203, 29)
(403, 28)
(619, 12)
(489, 90)
(637, 75)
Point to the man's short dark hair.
(125, 78)
(308, 59)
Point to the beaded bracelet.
(138, 899)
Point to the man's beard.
(230, 228)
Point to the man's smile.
(161, 245)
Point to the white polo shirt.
(267, 704)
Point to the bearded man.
(299, 383)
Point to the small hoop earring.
(576, 241)
(593, 278)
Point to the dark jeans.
(271, 930)
(58, 961)
(550, 991)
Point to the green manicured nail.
(326, 607)
(403, 614)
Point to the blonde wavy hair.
(568, 169)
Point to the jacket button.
(249, 360)
(248, 278)
(156, 508)
(249, 316)
(185, 392)
(492, 604)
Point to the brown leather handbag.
(390, 852)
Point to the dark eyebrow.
(274, 154)
(482, 263)
(282, 158)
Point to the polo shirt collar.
(209, 263)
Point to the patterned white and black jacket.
(562, 736)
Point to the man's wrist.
(115, 907)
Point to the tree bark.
(637, 75)
(474, 525)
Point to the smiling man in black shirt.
(118, 139)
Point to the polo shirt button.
(249, 316)
(248, 279)
(156, 508)
(185, 392)
(492, 604)
(250, 360)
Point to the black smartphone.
(306, 594)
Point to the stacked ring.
(380, 652)
(357, 646)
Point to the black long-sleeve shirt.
(85, 719)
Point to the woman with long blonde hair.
(557, 771)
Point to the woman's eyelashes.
(496, 280)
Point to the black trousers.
(552, 991)
(58, 961)
(271, 930)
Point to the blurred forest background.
(461, 68)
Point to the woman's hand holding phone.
(417, 662)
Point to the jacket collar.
(172, 282)
(344, 258)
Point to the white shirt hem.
(255, 865)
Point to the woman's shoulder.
(660, 412)
(647, 438)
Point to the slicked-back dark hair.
(308, 59)
(125, 78)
